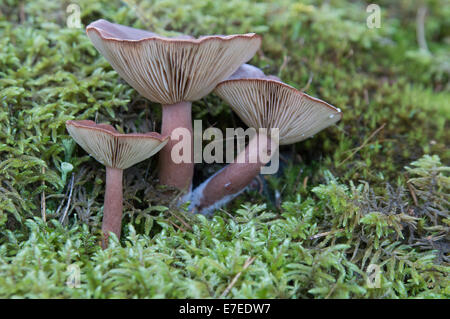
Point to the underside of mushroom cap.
(113, 149)
(171, 70)
(269, 103)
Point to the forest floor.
(359, 211)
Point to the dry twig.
(66, 209)
(363, 144)
(326, 233)
(413, 193)
(247, 263)
(43, 205)
(310, 78)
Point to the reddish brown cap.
(111, 148)
(171, 70)
(247, 71)
(268, 103)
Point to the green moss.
(320, 246)
(342, 200)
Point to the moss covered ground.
(359, 211)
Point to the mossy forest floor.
(359, 211)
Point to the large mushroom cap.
(269, 103)
(171, 70)
(111, 148)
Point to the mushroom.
(262, 103)
(247, 71)
(173, 72)
(117, 152)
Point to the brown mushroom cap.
(247, 71)
(111, 148)
(171, 70)
(269, 103)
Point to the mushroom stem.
(227, 183)
(178, 175)
(112, 209)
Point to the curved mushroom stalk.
(117, 152)
(172, 72)
(262, 102)
(230, 181)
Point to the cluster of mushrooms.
(175, 72)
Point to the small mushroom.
(262, 102)
(173, 72)
(117, 152)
